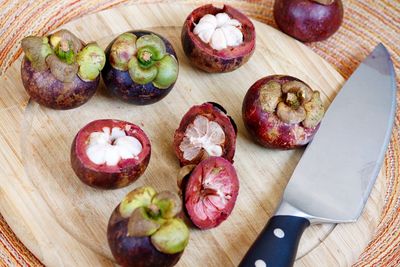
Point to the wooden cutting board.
(63, 222)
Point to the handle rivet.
(260, 263)
(279, 233)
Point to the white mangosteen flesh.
(202, 134)
(112, 145)
(219, 31)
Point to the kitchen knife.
(337, 171)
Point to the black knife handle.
(276, 246)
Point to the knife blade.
(338, 169)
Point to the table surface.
(366, 23)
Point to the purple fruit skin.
(120, 84)
(307, 20)
(134, 251)
(45, 89)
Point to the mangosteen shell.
(120, 83)
(134, 251)
(44, 88)
(258, 122)
(203, 56)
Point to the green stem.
(145, 57)
(65, 52)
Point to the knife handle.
(276, 246)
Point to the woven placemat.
(366, 23)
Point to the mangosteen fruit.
(142, 67)
(218, 39)
(145, 230)
(59, 71)
(110, 154)
(308, 20)
(282, 111)
(205, 130)
(210, 191)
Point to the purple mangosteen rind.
(202, 56)
(267, 128)
(120, 83)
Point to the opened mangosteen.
(110, 154)
(145, 229)
(308, 20)
(209, 191)
(205, 130)
(142, 67)
(218, 39)
(281, 111)
(60, 71)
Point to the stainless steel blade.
(338, 169)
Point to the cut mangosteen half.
(205, 130)
(210, 192)
(110, 153)
(145, 229)
(218, 39)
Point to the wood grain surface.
(63, 222)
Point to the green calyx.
(122, 50)
(91, 60)
(66, 36)
(167, 72)
(153, 42)
(140, 197)
(141, 75)
(64, 54)
(145, 58)
(172, 237)
(154, 215)
(36, 50)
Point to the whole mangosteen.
(145, 230)
(60, 71)
(282, 111)
(308, 20)
(142, 67)
(218, 39)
